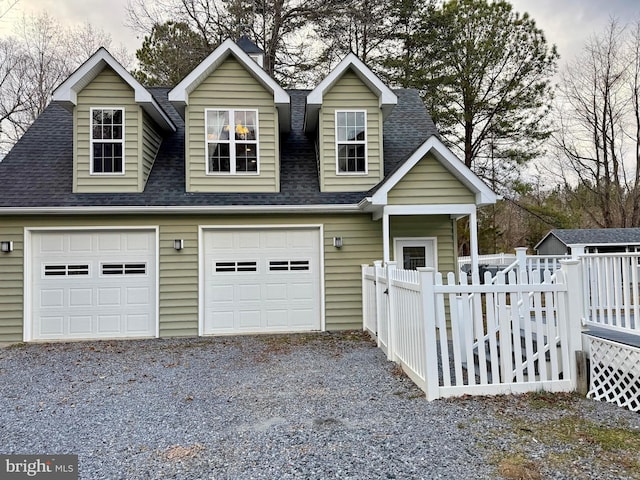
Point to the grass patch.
(517, 467)
(576, 446)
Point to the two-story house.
(224, 205)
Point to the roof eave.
(179, 95)
(174, 209)
(66, 94)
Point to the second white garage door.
(263, 280)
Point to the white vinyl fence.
(458, 338)
(612, 290)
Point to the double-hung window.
(351, 141)
(107, 140)
(232, 141)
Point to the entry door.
(411, 253)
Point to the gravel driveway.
(296, 406)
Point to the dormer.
(117, 126)
(346, 112)
(234, 113)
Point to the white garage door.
(93, 284)
(261, 281)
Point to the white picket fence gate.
(453, 339)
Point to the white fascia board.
(225, 209)
(387, 99)
(453, 209)
(67, 92)
(484, 195)
(179, 95)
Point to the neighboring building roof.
(38, 171)
(248, 46)
(66, 93)
(595, 236)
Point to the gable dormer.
(234, 113)
(117, 126)
(346, 112)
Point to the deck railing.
(612, 290)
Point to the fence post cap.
(426, 269)
(569, 261)
(521, 249)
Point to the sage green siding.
(178, 271)
(107, 90)
(349, 93)
(11, 282)
(231, 86)
(151, 140)
(440, 226)
(429, 183)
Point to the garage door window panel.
(65, 270)
(289, 265)
(124, 269)
(233, 267)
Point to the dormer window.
(107, 141)
(351, 142)
(232, 141)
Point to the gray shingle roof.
(595, 236)
(39, 169)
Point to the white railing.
(533, 266)
(612, 290)
(494, 259)
(457, 339)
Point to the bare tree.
(598, 135)
(278, 27)
(40, 56)
(13, 91)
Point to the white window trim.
(121, 141)
(422, 241)
(232, 151)
(354, 142)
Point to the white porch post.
(473, 240)
(386, 256)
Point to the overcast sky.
(567, 23)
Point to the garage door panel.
(276, 291)
(248, 292)
(109, 324)
(137, 323)
(80, 297)
(53, 326)
(138, 296)
(80, 325)
(80, 243)
(52, 298)
(277, 318)
(108, 297)
(93, 280)
(251, 277)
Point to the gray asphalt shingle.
(593, 236)
(38, 171)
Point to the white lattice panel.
(615, 373)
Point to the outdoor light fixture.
(178, 244)
(6, 246)
(337, 242)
